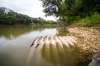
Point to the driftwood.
(67, 40)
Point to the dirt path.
(88, 37)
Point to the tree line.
(9, 17)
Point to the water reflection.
(53, 52)
(58, 56)
(11, 32)
(15, 43)
(30, 46)
(14, 31)
(62, 31)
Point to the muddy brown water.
(15, 48)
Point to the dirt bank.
(88, 37)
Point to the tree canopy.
(62, 8)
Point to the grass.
(89, 21)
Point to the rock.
(95, 60)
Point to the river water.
(15, 48)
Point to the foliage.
(70, 7)
(10, 17)
(70, 10)
(89, 20)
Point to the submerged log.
(66, 40)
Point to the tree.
(64, 9)
(60, 8)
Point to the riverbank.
(88, 40)
(88, 37)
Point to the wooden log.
(67, 40)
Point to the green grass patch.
(88, 21)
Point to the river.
(15, 48)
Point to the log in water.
(67, 40)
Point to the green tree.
(66, 10)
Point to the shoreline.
(88, 37)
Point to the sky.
(31, 8)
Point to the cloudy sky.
(32, 8)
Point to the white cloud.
(32, 8)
